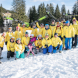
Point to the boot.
(16, 58)
(49, 53)
(35, 52)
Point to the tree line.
(19, 12)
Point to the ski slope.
(64, 65)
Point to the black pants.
(25, 50)
(74, 42)
(5, 43)
(1, 48)
(10, 54)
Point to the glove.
(37, 46)
(5, 43)
(54, 48)
(72, 38)
(46, 45)
(64, 37)
(61, 38)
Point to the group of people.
(49, 38)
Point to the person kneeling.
(56, 42)
(38, 44)
(46, 43)
(19, 48)
(10, 48)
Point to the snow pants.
(1, 48)
(55, 48)
(19, 55)
(10, 54)
(48, 49)
(68, 43)
(26, 49)
(74, 42)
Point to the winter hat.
(23, 24)
(42, 24)
(33, 24)
(67, 21)
(56, 34)
(64, 22)
(62, 19)
(12, 38)
(40, 35)
(57, 22)
(46, 25)
(32, 35)
(26, 32)
(10, 27)
(17, 27)
(74, 18)
(18, 39)
(52, 20)
(18, 24)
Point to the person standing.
(47, 31)
(2, 40)
(68, 33)
(9, 34)
(74, 42)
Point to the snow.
(59, 65)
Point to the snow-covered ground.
(64, 65)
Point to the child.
(25, 41)
(38, 44)
(10, 48)
(31, 44)
(19, 48)
(2, 40)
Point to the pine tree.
(51, 9)
(63, 10)
(75, 9)
(68, 12)
(19, 10)
(57, 12)
(33, 14)
(1, 18)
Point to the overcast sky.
(7, 4)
